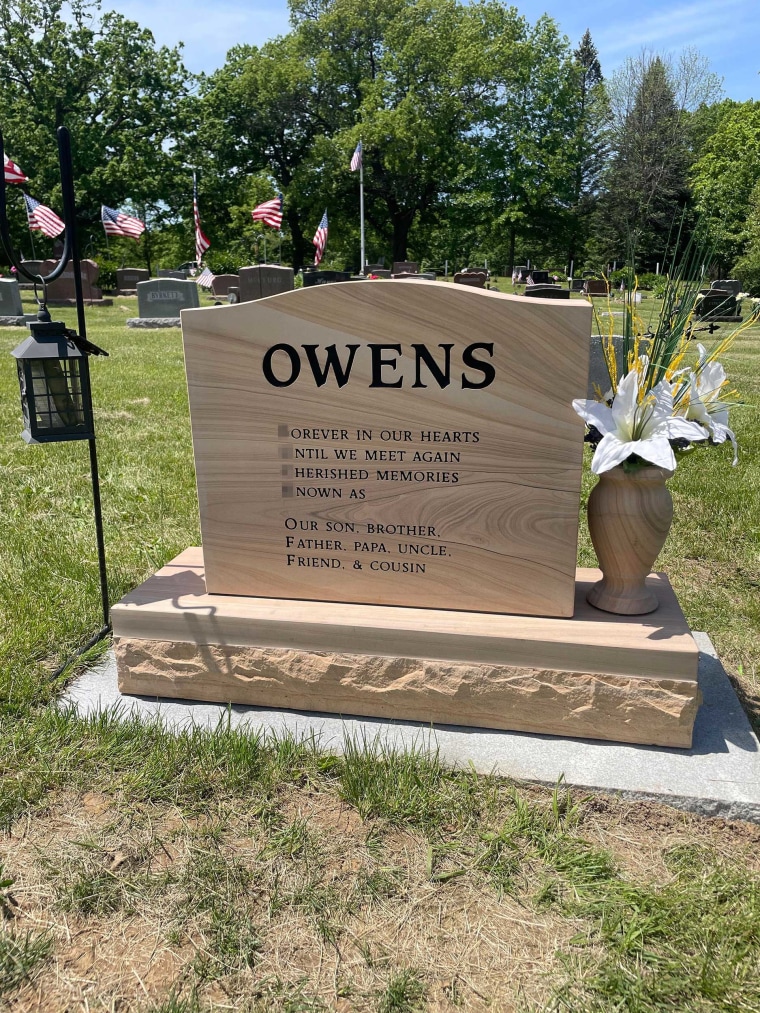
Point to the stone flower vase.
(629, 516)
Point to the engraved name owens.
(283, 364)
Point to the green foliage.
(21, 955)
(725, 177)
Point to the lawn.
(142, 871)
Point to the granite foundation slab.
(151, 323)
(719, 775)
(12, 321)
(87, 301)
(628, 679)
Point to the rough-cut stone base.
(597, 676)
(150, 323)
(575, 704)
(12, 321)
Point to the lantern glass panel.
(57, 389)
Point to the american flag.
(356, 161)
(43, 219)
(270, 212)
(205, 278)
(530, 280)
(116, 223)
(12, 172)
(201, 241)
(320, 239)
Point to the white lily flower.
(705, 405)
(644, 428)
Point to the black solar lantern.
(54, 377)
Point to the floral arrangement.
(665, 399)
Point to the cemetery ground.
(141, 870)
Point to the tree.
(724, 178)
(646, 185)
(122, 98)
(589, 145)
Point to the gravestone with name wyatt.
(389, 493)
(262, 280)
(160, 301)
(11, 310)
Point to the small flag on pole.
(12, 172)
(356, 161)
(116, 223)
(43, 219)
(320, 239)
(205, 278)
(201, 241)
(270, 212)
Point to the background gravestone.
(598, 374)
(405, 267)
(262, 280)
(178, 275)
(160, 301)
(11, 310)
(62, 289)
(34, 267)
(311, 278)
(222, 283)
(546, 292)
(727, 285)
(475, 279)
(127, 279)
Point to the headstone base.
(12, 321)
(149, 323)
(73, 302)
(617, 678)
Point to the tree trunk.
(402, 223)
(298, 241)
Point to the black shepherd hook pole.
(70, 255)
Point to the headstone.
(727, 285)
(717, 305)
(521, 271)
(596, 287)
(62, 290)
(311, 278)
(33, 267)
(10, 298)
(221, 284)
(407, 477)
(418, 276)
(161, 300)
(577, 284)
(405, 267)
(598, 373)
(546, 292)
(177, 275)
(540, 277)
(263, 280)
(127, 279)
(374, 268)
(475, 279)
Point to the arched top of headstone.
(390, 443)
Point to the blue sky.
(726, 32)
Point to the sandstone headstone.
(221, 284)
(62, 289)
(368, 443)
(263, 280)
(10, 298)
(127, 278)
(166, 297)
(311, 278)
